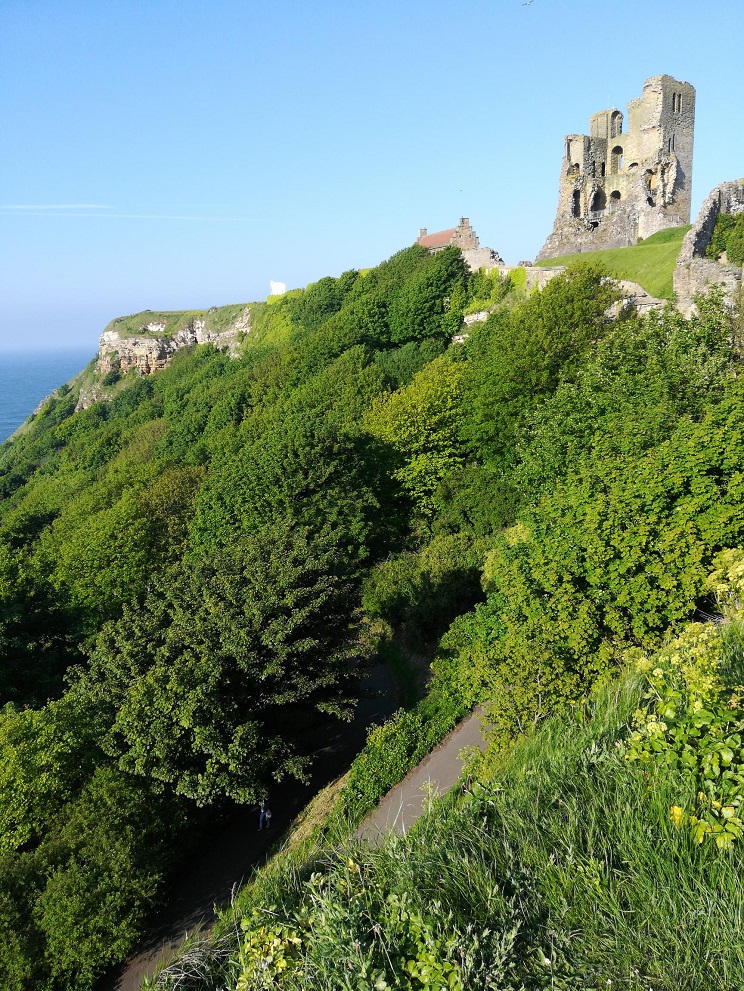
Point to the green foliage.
(490, 289)
(728, 236)
(205, 539)
(420, 423)
(559, 869)
(517, 358)
(397, 746)
(631, 392)
(305, 470)
(35, 642)
(388, 940)
(106, 858)
(401, 364)
(430, 303)
(45, 757)
(212, 680)
(428, 588)
(321, 300)
(687, 726)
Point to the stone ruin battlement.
(617, 185)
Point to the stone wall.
(694, 273)
(476, 258)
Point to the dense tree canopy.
(190, 569)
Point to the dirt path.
(225, 857)
(440, 771)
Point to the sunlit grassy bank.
(650, 263)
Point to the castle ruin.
(618, 186)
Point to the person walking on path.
(264, 816)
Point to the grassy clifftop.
(169, 322)
(650, 263)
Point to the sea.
(27, 377)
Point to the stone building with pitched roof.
(463, 237)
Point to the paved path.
(230, 854)
(440, 771)
(233, 848)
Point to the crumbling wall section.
(695, 273)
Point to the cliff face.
(153, 348)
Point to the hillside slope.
(195, 572)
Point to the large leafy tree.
(518, 358)
(211, 682)
(429, 303)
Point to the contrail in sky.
(54, 206)
(76, 210)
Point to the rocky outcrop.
(153, 349)
(695, 273)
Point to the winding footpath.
(227, 857)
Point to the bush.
(728, 236)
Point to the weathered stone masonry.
(617, 185)
(694, 273)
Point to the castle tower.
(617, 185)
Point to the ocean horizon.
(28, 377)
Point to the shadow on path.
(225, 856)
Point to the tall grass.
(561, 869)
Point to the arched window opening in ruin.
(616, 124)
(576, 208)
(616, 161)
(602, 169)
(573, 170)
(614, 199)
(593, 170)
(599, 201)
(633, 165)
(650, 201)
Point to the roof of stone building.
(440, 238)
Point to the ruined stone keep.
(620, 184)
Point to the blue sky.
(173, 154)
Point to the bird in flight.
(527, 3)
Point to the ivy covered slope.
(193, 573)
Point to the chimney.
(422, 232)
